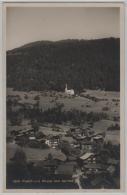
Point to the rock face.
(81, 64)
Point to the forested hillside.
(47, 65)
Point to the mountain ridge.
(48, 65)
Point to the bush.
(114, 127)
(34, 144)
(39, 135)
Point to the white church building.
(69, 91)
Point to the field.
(95, 101)
(83, 102)
(35, 154)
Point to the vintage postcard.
(64, 72)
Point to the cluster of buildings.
(86, 164)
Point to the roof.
(19, 127)
(86, 156)
(98, 137)
(87, 143)
(78, 137)
(32, 138)
(68, 139)
(48, 131)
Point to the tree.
(35, 125)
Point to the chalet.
(21, 139)
(53, 141)
(32, 138)
(98, 139)
(27, 131)
(68, 139)
(98, 143)
(41, 140)
(79, 137)
(57, 129)
(87, 146)
(86, 158)
(20, 129)
(40, 135)
(75, 152)
(91, 168)
(75, 145)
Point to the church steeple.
(69, 92)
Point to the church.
(69, 91)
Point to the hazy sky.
(26, 25)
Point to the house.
(27, 131)
(41, 140)
(98, 139)
(32, 138)
(53, 141)
(69, 91)
(75, 145)
(86, 158)
(98, 142)
(79, 137)
(68, 139)
(21, 139)
(80, 134)
(87, 146)
(94, 168)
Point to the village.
(67, 155)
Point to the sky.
(25, 25)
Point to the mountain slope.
(46, 65)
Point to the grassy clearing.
(108, 102)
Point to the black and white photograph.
(63, 119)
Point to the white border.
(1, 100)
(71, 1)
(2, 97)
